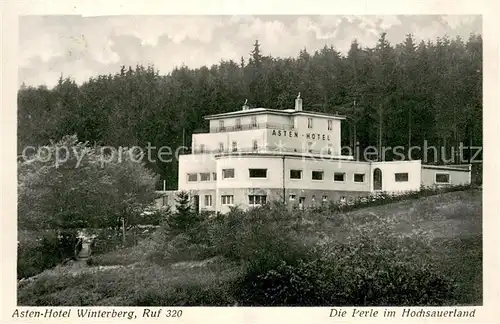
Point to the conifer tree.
(185, 218)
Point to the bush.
(259, 238)
(124, 256)
(279, 257)
(373, 265)
(179, 248)
(323, 282)
(384, 198)
(141, 285)
(40, 251)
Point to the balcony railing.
(234, 128)
(266, 149)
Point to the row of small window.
(234, 148)
(310, 123)
(255, 147)
(320, 175)
(302, 200)
(262, 174)
(226, 174)
(254, 123)
(204, 176)
(297, 175)
(238, 123)
(253, 200)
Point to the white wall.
(413, 168)
(196, 163)
(319, 128)
(274, 164)
(166, 200)
(241, 174)
(319, 135)
(329, 167)
(244, 139)
(457, 177)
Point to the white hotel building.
(253, 156)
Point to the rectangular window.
(295, 174)
(309, 123)
(339, 176)
(401, 177)
(205, 176)
(309, 146)
(227, 199)
(227, 173)
(235, 147)
(317, 175)
(221, 147)
(330, 124)
(214, 175)
(208, 200)
(442, 178)
(192, 177)
(254, 121)
(202, 148)
(165, 200)
(359, 177)
(257, 173)
(221, 124)
(238, 123)
(292, 197)
(257, 199)
(255, 145)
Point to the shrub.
(44, 250)
(179, 248)
(323, 282)
(124, 256)
(141, 285)
(384, 198)
(373, 265)
(259, 238)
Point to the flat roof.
(284, 112)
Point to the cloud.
(83, 47)
(325, 28)
(455, 21)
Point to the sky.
(81, 47)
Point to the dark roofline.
(258, 111)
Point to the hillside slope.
(451, 222)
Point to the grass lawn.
(452, 222)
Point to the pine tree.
(184, 219)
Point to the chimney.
(245, 106)
(298, 103)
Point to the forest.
(392, 94)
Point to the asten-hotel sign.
(293, 134)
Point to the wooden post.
(123, 230)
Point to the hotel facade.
(252, 156)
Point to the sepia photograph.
(250, 160)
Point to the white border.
(488, 8)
